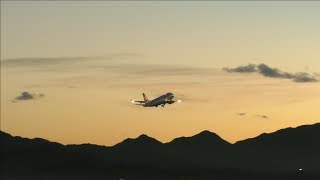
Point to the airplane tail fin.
(145, 97)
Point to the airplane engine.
(170, 102)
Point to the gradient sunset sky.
(89, 59)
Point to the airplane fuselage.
(161, 100)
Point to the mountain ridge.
(281, 133)
(144, 136)
(282, 151)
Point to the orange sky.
(88, 100)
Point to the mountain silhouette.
(282, 150)
(281, 153)
(143, 141)
(203, 139)
(303, 137)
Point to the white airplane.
(161, 100)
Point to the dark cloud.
(258, 115)
(241, 114)
(272, 72)
(27, 96)
(24, 96)
(242, 69)
(262, 116)
(304, 77)
(267, 71)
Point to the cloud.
(257, 115)
(267, 71)
(120, 63)
(40, 61)
(272, 72)
(55, 61)
(241, 114)
(304, 77)
(262, 116)
(27, 96)
(24, 96)
(242, 69)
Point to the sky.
(89, 59)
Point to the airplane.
(161, 100)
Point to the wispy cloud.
(267, 71)
(262, 116)
(241, 114)
(42, 61)
(257, 115)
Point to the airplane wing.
(139, 104)
(133, 101)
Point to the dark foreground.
(287, 154)
(171, 177)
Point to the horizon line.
(1, 131)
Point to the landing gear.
(156, 105)
(162, 105)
